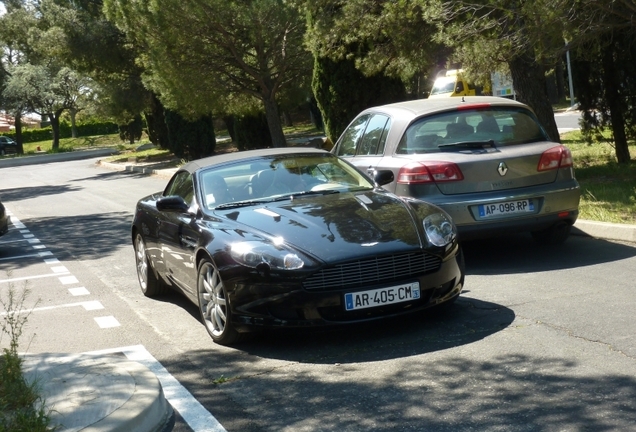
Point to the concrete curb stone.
(98, 393)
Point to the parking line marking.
(67, 280)
(78, 291)
(20, 256)
(89, 305)
(30, 277)
(190, 409)
(93, 305)
(59, 269)
(107, 322)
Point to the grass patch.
(608, 189)
(21, 407)
(71, 144)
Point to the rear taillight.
(429, 172)
(556, 157)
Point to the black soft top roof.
(246, 155)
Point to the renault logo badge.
(502, 169)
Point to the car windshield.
(492, 126)
(276, 178)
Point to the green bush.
(190, 139)
(21, 407)
(251, 132)
(91, 128)
(342, 91)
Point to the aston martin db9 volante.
(293, 237)
(485, 160)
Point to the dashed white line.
(57, 269)
(106, 322)
(79, 291)
(67, 280)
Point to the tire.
(150, 285)
(555, 235)
(214, 307)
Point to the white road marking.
(94, 305)
(80, 291)
(59, 269)
(192, 412)
(30, 277)
(88, 305)
(102, 322)
(107, 322)
(67, 280)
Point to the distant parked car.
(4, 220)
(7, 145)
(293, 237)
(484, 160)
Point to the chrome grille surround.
(372, 271)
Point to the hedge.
(85, 129)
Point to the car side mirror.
(383, 177)
(172, 204)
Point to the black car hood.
(337, 226)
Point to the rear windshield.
(501, 126)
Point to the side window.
(351, 136)
(374, 136)
(181, 185)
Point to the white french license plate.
(382, 296)
(506, 208)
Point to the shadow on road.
(520, 254)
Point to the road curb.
(605, 230)
(98, 393)
(56, 157)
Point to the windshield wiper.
(317, 192)
(284, 197)
(469, 144)
(240, 204)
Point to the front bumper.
(279, 303)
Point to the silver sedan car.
(485, 160)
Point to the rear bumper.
(552, 205)
(495, 228)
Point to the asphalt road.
(542, 339)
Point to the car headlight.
(439, 229)
(253, 254)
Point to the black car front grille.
(371, 271)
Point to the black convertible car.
(293, 237)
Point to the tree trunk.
(18, 131)
(530, 86)
(155, 119)
(614, 99)
(273, 122)
(55, 126)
